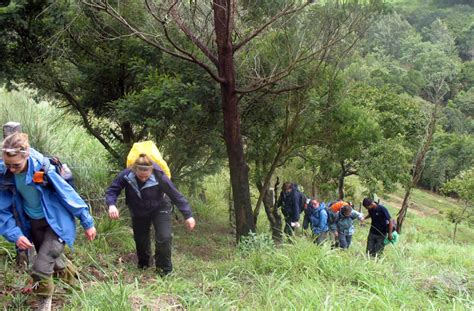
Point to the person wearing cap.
(148, 195)
(37, 210)
(380, 228)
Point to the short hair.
(367, 202)
(287, 185)
(14, 144)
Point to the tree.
(213, 36)
(463, 186)
(64, 52)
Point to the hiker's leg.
(370, 245)
(141, 235)
(321, 238)
(379, 244)
(288, 229)
(38, 231)
(43, 265)
(343, 240)
(349, 240)
(163, 239)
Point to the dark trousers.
(49, 248)
(320, 238)
(161, 221)
(375, 244)
(344, 240)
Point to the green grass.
(425, 270)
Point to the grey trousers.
(49, 248)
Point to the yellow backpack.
(149, 148)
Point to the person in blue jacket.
(318, 218)
(37, 209)
(342, 225)
(148, 195)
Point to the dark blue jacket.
(151, 197)
(291, 204)
(380, 220)
(60, 203)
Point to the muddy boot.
(43, 287)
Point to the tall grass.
(425, 270)
(53, 132)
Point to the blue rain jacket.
(60, 203)
(318, 218)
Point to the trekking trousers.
(162, 224)
(375, 244)
(49, 248)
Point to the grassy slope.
(424, 271)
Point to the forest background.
(339, 97)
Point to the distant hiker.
(147, 193)
(342, 225)
(380, 227)
(292, 202)
(37, 209)
(332, 210)
(318, 218)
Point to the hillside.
(425, 270)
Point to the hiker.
(380, 227)
(291, 201)
(342, 225)
(37, 209)
(318, 218)
(147, 193)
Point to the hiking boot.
(43, 287)
(44, 303)
(163, 273)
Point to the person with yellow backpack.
(149, 193)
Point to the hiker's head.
(143, 167)
(346, 210)
(15, 152)
(314, 203)
(287, 187)
(368, 203)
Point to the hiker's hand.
(190, 223)
(390, 237)
(336, 234)
(23, 243)
(113, 212)
(90, 233)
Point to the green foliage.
(53, 132)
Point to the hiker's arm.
(8, 226)
(356, 214)
(390, 229)
(112, 193)
(176, 197)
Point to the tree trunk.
(458, 221)
(417, 168)
(273, 216)
(223, 19)
(340, 185)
